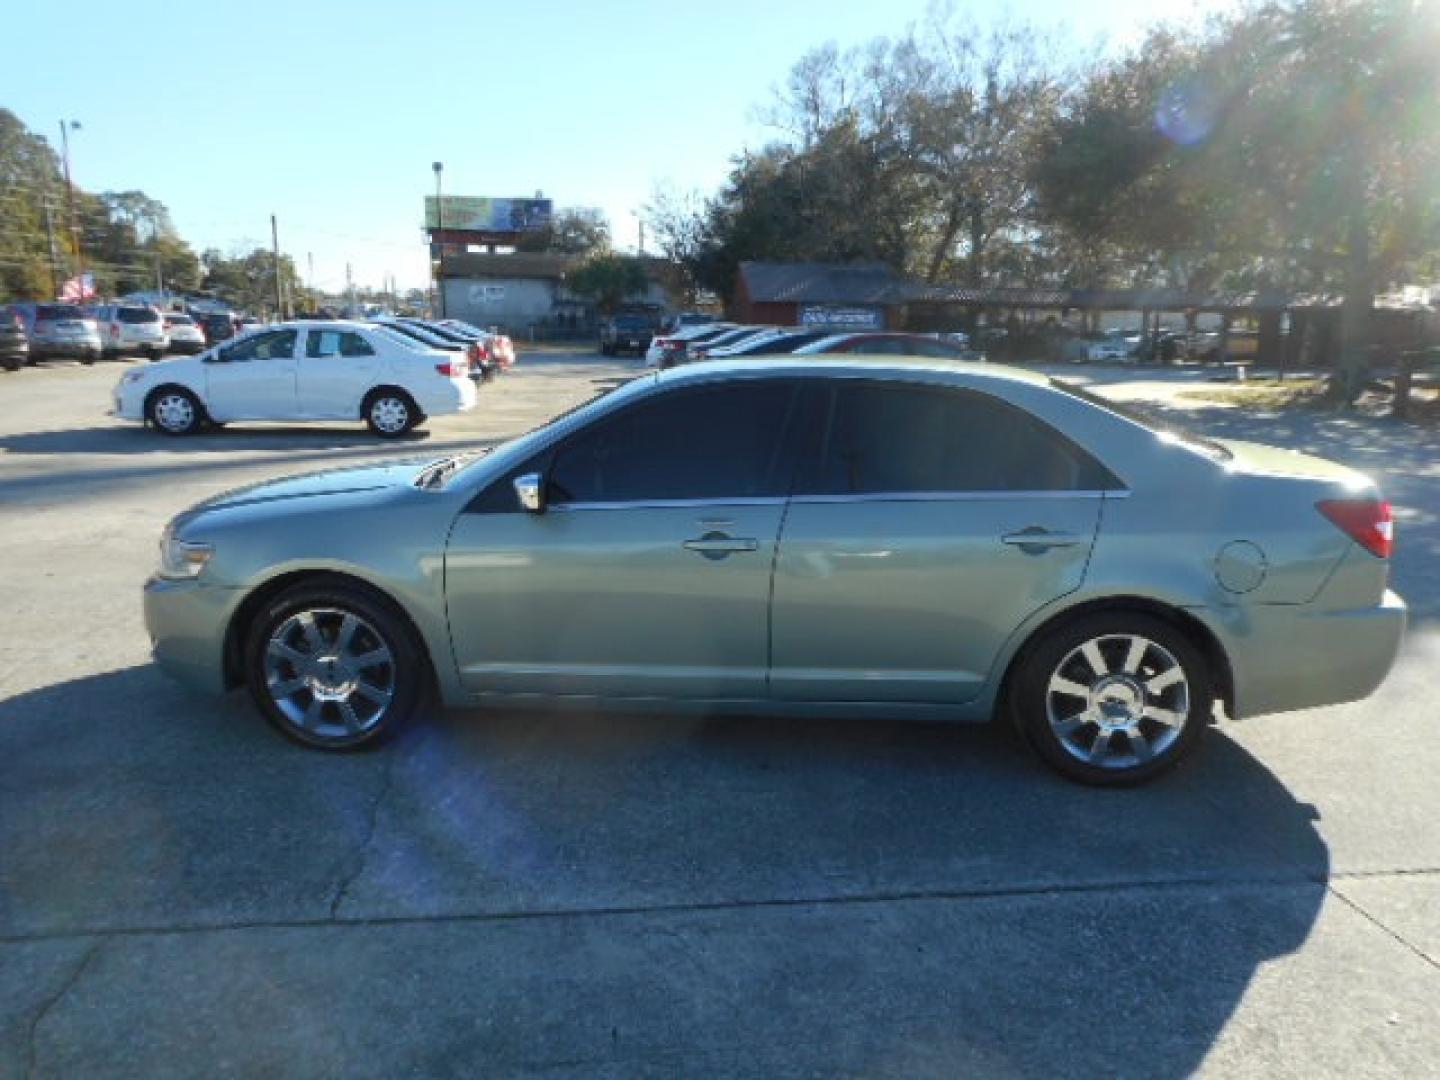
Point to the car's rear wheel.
(175, 411)
(1113, 698)
(334, 666)
(390, 413)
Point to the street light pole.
(66, 126)
(439, 232)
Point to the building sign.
(487, 294)
(487, 215)
(847, 318)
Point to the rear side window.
(137, 315)
(886, 438)
(52, 312)
(713, 442)
(323, 343)
(277, 345)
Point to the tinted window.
(877, 347)
(706, 443)
(632, 322)
(937, 349)
(322, 343)
(785, 343)
(49, 312)
(179, 320)
(279, 344)
(137, 315)
(891, 438)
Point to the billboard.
(848, 318)
(487, 215)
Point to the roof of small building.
(823, 283)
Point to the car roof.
(845, 364)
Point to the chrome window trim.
(670, 504)
(954, 496)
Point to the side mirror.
(530, 492)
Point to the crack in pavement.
(362, 853)
(1355, 906)
(55, 999)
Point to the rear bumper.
(1285, 657)
(450, 396)
(75, 347)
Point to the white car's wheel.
(390, 413)
(175, 411)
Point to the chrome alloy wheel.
(390, 415)
(174, 412)
(330, 673)
(1118, 701)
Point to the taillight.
(453, 369)
(1366, 521)
(114, 329)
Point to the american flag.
(81, 287)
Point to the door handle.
(718, 545)
(1035, 539)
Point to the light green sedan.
(831, 536)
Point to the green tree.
(608, 280)
(576, 230)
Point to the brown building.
(855, 296)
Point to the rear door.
(335, 370)
(253, 378)
(931, 523)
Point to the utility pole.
(349, 292)
(439, 232)
(310, 262)
(275, 244)
(54, 251)
(159, 277)
(642, 237)
(65, 127)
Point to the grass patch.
(1261, 393)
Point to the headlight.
(182, 558)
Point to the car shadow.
(972, 899)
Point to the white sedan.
(301, 371)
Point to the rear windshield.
(137, 315)
(1209, 447)
(58, 311)
(632, 322)
(179, 320)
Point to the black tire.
(390, 413)
(1116, 697)
(88, 359)
(163, 408)
(404, 678)
(14, 363)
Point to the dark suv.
(626, 333)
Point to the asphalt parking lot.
(184, 893)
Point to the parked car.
(699, 350)
(59, 330)
(300, 371)
(415, 332)
(217, 326)
(626, 333)
(1106, 349)
(14, 346)
(132, 328)
(951, 542)
(685, 319)
(185, 336)
(890, 344)
(786, 341)
(666, 349)
(499, 347)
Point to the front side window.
(884, 438)
(276, 345)
(706, 443)
(344, 343)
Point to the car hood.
(346, 481)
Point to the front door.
(933, 522)
(648, 574)
(253, 378)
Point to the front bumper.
(187, 622)
(1291, 656)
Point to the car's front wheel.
(390, 413)
(1113, 698)
(175, 411)
(334, 666)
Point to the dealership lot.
(181, 891)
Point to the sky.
(329, 113)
